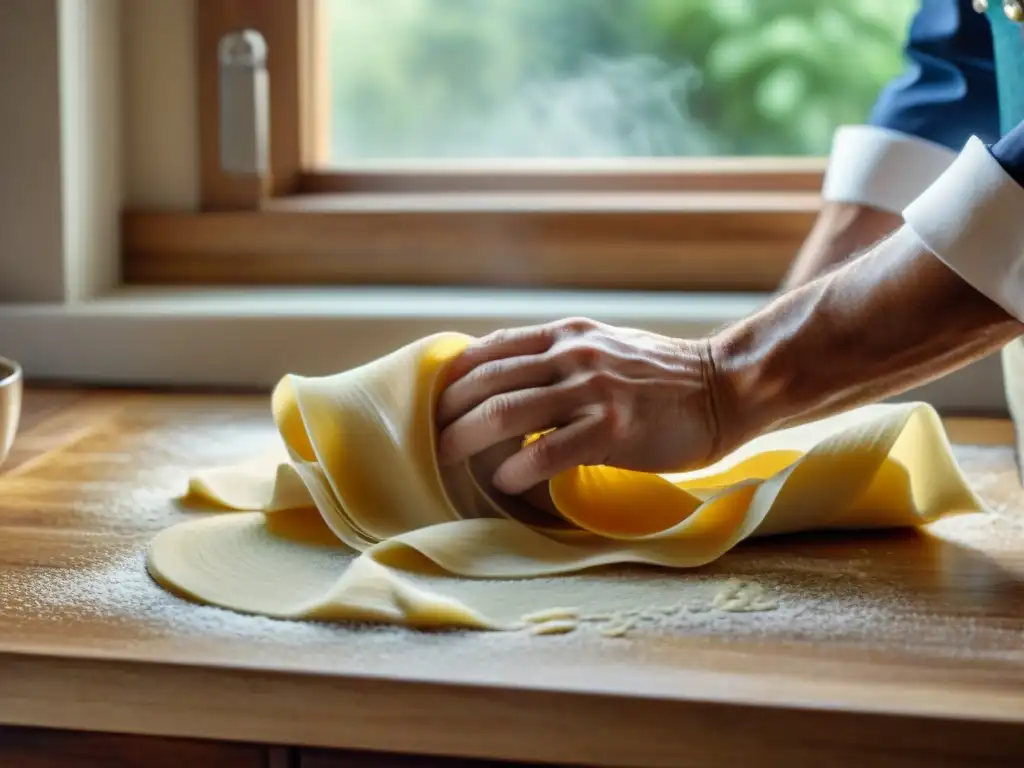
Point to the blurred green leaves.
(578, 78)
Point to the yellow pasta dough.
(355, 520)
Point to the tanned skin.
(888, 320)
(891, 319)
(841, 231)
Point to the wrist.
(742, 393)
(767, 366)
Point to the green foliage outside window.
(605, 78)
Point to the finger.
(504, 417)
(493, 378)
(511, 342)
(579, 443)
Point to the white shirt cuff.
(972, 218)
(881, 168)
(1013, 384)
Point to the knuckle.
(541, 455)
(489, 371)
(577, 326)
(614, 422)
(498, 411)
(494, 338)
(603, 381)
(599, 386)
(580, 356)
(547, 333)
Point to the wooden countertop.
(886, 647)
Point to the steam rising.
(611, 108)
(633, 107)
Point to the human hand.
(613, 396)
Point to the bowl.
(10, 404)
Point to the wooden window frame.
(717, 224)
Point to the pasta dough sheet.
(355, 520)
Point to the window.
(602, 78)
(656, 144)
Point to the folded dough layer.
(340, 527)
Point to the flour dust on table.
(354, 519)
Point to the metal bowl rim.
(13, 371)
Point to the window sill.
(676, 242)
(248, 339)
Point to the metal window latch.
(244, 103)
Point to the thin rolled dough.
(356, 521)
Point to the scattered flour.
(810, 604)
(121, 592)
(743, 597)
(844, 588)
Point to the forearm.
(894, 318)
(841, 231)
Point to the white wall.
(91, 145)
(60, 149)
(31, 218)
(161, 147)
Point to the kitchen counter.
(901, 648)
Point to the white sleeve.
(972, 218)
(881, 168)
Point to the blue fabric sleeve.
(948, 91)
(1009, 153)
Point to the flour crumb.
(552, 614)
(558, 627)
(739, 596)
(618, 630)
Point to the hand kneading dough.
(348, 522)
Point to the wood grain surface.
(661, 242)
(902, 648)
